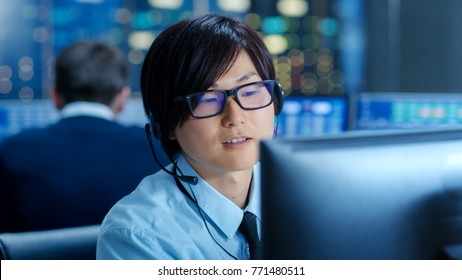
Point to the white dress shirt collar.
(89, 109)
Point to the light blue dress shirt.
(158, 221)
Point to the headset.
(153, 127)
(278, 94)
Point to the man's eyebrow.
(239, 80)
(246, 77)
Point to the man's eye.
(249, 93)
(208, 100)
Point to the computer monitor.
(403, 110)
(17, 115)
(363, 195)
(313, 115)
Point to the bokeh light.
(166, 4)
(239, 6)
(293, 8)
(140, 39)
(276, 43)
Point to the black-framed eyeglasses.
(251, 96)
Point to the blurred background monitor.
(325, 47)
(317, 45)
(16, 115)
(313, 115)
(402, 110)
(363, 195)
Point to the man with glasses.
(208, 88)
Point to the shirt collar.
(254, 204)
(223, 212)
(89, 109)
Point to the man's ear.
(121, 100)
(57, 98)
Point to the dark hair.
(90, 71)
(190, 56)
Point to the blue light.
(328, 27)
(274, 25)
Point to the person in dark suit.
(72, 172)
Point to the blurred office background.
(344, 64)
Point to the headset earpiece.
(279, 96)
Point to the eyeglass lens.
(250, 97)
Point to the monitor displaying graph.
(401, 110)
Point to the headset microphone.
(187, 179)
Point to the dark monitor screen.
(313, 115)
(397, 110)
(363, 195)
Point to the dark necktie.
(249, 228)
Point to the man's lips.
(236, 140)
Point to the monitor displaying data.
(399, 110)
(313, 115)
